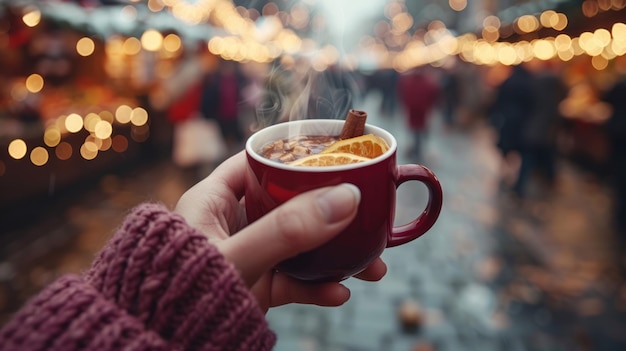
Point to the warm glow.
(85, 46)
(89, 150)
(73, 123)
(401, 22)
(172, 43)
(590, 8)
(131, 46)
(563, 42)
(17, 149)
(155, 5)
(527, 23)
(152, 40)
(107, 116)
(32, 16)
(599, 62)
(119, 143)
(34, 83)
(543, 49)
(106, 144)
(457, 5)
(52, 136)
(492, 21)
(619, 31)
(139, 116)
(507, 55)
(63, 151)
(549, 18)
(603, 36)
(91, 139)
(123, 114)
(39, 156)
(91, 119)
(103, 129)
(561, 22)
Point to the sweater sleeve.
(158, 284)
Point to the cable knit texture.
(157, 285)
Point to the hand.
(215, 206)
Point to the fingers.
(285, 290)
(213, 204)
(304, 222)
(230, 173)
(374, 272)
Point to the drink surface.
(297, 147)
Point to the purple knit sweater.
(157, 285)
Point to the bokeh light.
(17, 149)
(34, 83)
(85, 46)
(39, 156)
(151, 40)
(73, 123)
(32, 16)
(52, 136)
(63, 151)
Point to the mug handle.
(420, 225)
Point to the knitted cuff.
(71, 315)
(165, 273)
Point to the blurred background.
(517, 106)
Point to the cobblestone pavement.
(492, 274)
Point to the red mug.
(270, 183)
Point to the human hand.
(215, 206)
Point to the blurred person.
(451, 94)
(616, 133)
(182, 280)
(418, 92)
(538, 137)
(509, 114)
(221, 96)
(387, 80)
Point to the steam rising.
(289, 96)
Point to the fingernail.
(339, 201)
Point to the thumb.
(301, 224)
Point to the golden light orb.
(73, 123)
(103, 129)
(139, 116)
(32, 16)
(152, 40)
(52, 136)
(34, 83)
(85, 46)
(123, 114)
(17, 149)
(39, 156)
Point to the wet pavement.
(494, 273)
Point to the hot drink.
(348, 146)
(294, 148)
(270, 183)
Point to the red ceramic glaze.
(269, 184)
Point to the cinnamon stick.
(354, 125)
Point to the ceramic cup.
(270, 183)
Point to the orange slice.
(334, 159)
(368, 145)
